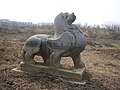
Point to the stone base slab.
(69, 75)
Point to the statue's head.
(62, 21)
(69, 18)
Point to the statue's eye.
(65, 15)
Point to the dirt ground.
(102, 67)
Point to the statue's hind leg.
(46, 60)
(77, 61)
(55, 58)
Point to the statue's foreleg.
(28, 57)
(55, 58)
(77, 61)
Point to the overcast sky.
(87, 11)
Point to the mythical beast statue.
(68, 41)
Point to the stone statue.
(68, 41)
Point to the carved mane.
(63, 22)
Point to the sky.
(44, 11)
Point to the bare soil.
(102, 67)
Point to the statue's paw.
(58, 65)
(32, 62)
(80, 65)
(45, 64)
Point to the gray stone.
(69, 75)
(68, 41)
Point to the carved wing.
(64, 41)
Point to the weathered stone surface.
(71, 75)
(68, 41)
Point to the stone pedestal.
(69, 75)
